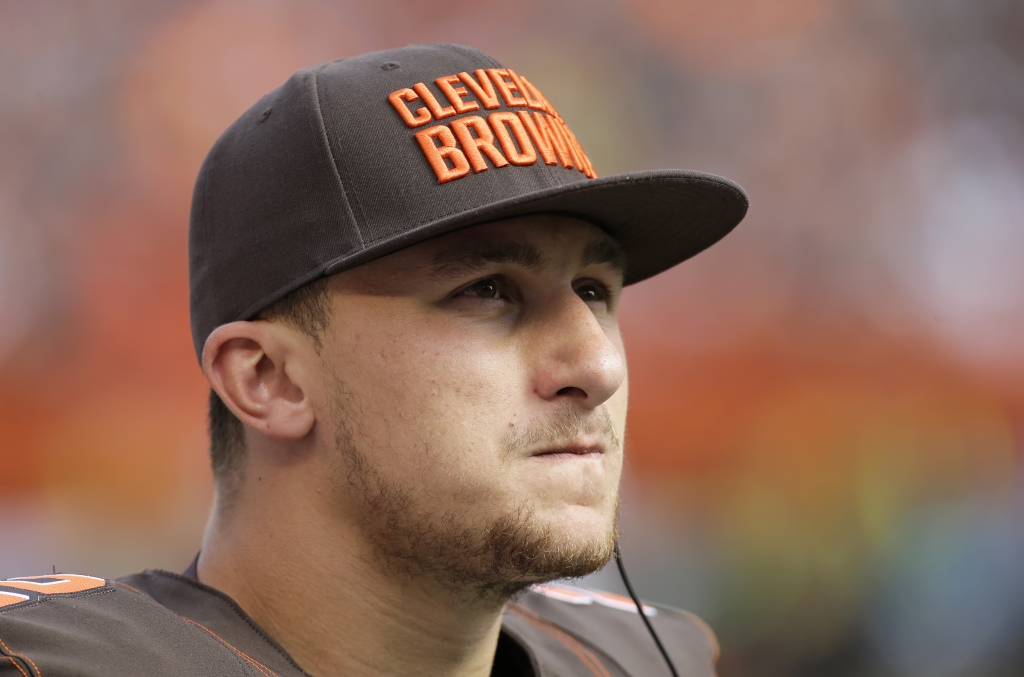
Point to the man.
(405, 279)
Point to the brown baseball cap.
(356, 158)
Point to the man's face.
(475, 388)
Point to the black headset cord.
(640, 610)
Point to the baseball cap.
(356, 158)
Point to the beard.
(488, 558)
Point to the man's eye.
(489, 288)
(592, 291)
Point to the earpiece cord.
(640, 610)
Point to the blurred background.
(827, 422)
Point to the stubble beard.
(487, 560)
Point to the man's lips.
(573, 451)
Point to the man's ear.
(255, 368)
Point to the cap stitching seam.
(472, 53)
(322, 128)
(209, 250)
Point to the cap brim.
(660, 218)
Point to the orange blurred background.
(828, 407)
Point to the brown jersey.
(166, 624)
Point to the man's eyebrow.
(467, 258)
(604, 251)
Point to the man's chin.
(526, 551)
(469, 554)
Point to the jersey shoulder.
(72, 625)
(612, 627)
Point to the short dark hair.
(308, 309)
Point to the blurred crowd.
(827, 420)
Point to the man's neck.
(334, 611)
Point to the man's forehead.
(536, 243)
(529, 242)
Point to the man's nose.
(575, 357)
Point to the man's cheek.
(449, 399)
(463, 379)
